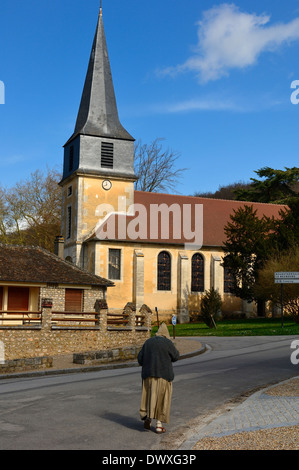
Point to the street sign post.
(285, 278)
(173, 325)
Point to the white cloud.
(197, 104)
(229, 38)
(235, 104)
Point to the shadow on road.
(125, 421)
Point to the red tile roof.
(216, 215)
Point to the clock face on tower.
(106, 185)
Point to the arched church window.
(197, 273)
(164, 271)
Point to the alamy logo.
(2, 93)
(295, 94)
(295, 354)
(2, 353)
(154, 222)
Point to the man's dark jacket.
(156, 358)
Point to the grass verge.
(244, 327)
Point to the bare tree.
(155, 167)
(30, 211)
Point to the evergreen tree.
(247, 248)
(274, 186)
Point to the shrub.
(292, 309)
(211, 305)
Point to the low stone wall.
(47, 340)
(105, 356)
(20, 365)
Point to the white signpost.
(285, 278)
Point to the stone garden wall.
(58, 333)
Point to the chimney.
(59, 246)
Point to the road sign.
(173, 325)
(287, 278)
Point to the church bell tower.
(98, 157)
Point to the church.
(162, 250)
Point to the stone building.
(50, 307)
(159, 249)
(30, 274)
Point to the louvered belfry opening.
(107, 151)
(164, 271)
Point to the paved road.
(99, 410)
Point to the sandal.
(160, 430)
(147, 424)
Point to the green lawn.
(246, 327)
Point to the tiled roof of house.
(36, 265)
(216, 215)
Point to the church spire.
(98, 114)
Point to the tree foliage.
(275, 186)
(30, 211)
(227, 192)
(246, 248)
(251, 241)
(266, 289)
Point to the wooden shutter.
(18, 299)
(73, 300)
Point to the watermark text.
(295, 354)
(2, 93)
(295, 94)
(173, 223)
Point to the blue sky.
(211, 78)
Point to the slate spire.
(98, 114)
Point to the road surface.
(99, 410)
